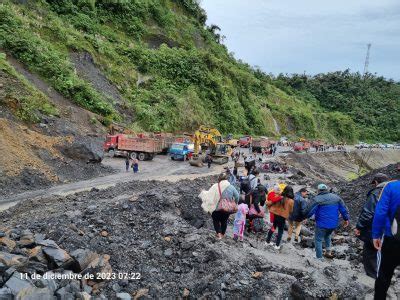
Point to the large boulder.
(83, 258)
(8, 243)
(57, 256)
(10, 260)
(16, 283)
(83, 150)
(99, 265)
(33, 293)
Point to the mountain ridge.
(190, 78)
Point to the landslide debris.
(159, 230)
(354, 192)
(31, 159)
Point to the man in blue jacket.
(364, 225)
(326, 206)
(386, 236)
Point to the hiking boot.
(289, 239)
(329, 255)
(277, 247)
(297, 239)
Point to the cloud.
(309, 35)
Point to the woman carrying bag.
(220, 201)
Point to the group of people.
(133, 163)
(378, 224)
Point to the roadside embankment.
(341, 166)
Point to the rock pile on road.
(158, 236)
(33, 267)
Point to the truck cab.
(180, 151)
(111, 143)
(245, 141)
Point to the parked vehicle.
(168, 139)
(261, 144)
(301, 146)
(181, 151)
(142, 148)
(362, 145)
(245, 141)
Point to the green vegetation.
(20, 96)
(170, 69)
(371, 101)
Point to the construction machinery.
(208, 141)
(231, 141)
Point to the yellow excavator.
(209, 140)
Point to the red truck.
(301, 146)
(245, 141)
(142, 148)
(261, 144)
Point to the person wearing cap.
(297, 216)
(326, 207)
(386, 236)
(364, 224)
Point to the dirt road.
(161, 168)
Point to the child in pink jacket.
(240, 221)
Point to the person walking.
(297, 216)
(274, 196)
(326, 207)
(127, 163)
(210, 199)
(281, 211)
(135, 165)
(364, 224)
(386, 236)
(209, 160)
(240, 221)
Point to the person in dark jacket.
(326, 206)
(297, 216)
(127, 163)
(364, 225)
(386, 236)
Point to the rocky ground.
(354, 192)
(159, 230)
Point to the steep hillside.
(55, 143)
(373, 102)
(154, 65)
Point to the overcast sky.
(292, 36)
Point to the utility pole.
(367, 59)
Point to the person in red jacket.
(274, 196)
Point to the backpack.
(245, 185)
(396, 225)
